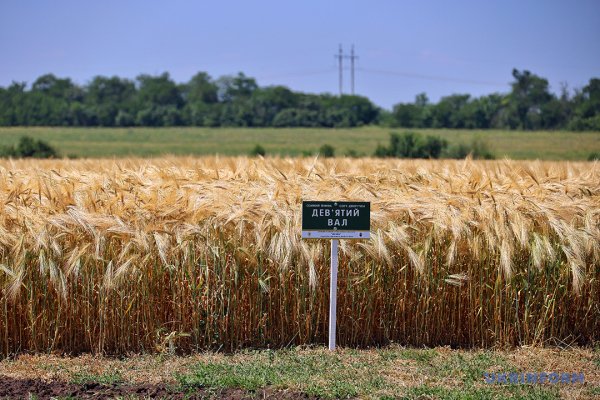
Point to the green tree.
(124, 118)
(232, 88)
(159, 100)
(484, 112)
(590, 105)
(48, 102)
(200, 114)
(413, 115)
(57, 88)
(12, 104)
(200, 89)
(360, 109)
(407, 116)
(586, 104)
(529, 95)
(267, 102)
(106, 98)
(449, 112)
(293, 117)
(158, 91)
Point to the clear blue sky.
(437, 47)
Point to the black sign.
(336, 216)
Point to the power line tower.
(352, 57)
(340, 57)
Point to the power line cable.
(431, 77)
(297, 74)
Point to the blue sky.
(437, 47)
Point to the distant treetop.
(239, 101)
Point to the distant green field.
(148, 142)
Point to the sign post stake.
(333, 293)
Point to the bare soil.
(11, 388)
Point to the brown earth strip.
(42, 390)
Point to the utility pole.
(352, 58)
(340, 57)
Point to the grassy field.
(295, 373)
(146, 142)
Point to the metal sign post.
(333, 293)
(335, 220)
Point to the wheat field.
(184, 254)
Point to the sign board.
(336, 220)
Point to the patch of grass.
(422, 356)
(482, 393)
(348, 373)
(597, 355)
(321, 374)
(391, 372)
(75, 398)
(388, 353)
(108, 378)
(332, 390)
(249, 376)
(470, 367)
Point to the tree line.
(529, 105)
(239, 101)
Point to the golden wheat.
(119, 256)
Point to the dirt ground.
(156, 376)
(36, 388)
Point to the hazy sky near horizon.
(404, 48)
